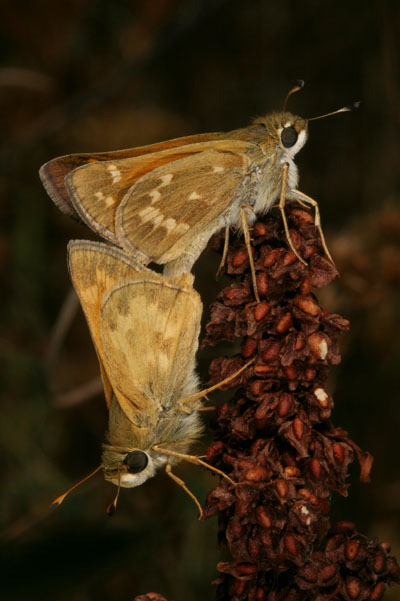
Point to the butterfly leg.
(206, 391)
(183, 485)
(282, 202)
(192, 459)
(246, 234)
(113, 505)
(300, 196)
(224, 253)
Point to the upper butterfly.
(164, 201)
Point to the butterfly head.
(288, 132)
(130, 467)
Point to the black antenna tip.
(355, 106)
(111, 509)
(299, 86)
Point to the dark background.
(90, 76)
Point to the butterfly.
(145, 330)
(161, 203)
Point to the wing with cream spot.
(95, 269)
(167, 209)
(53, 172)
(149, 331)
(97, 188)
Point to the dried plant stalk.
(276, 438)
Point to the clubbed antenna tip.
(299, 86)
(355, 106)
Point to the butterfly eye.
(289, 136)
(136, 461)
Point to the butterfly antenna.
(57, 501)
(299, 86)
(350, 107)
(113, 506)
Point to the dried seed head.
(246, 568)
(322, 396)
(261, 310)
(262, 517)
(292, 472)
(262, 283)
(285, 404)
(281, 487)
(351, 550)
(338, 452)
(259, 229)
(271, 257)
(328, 571)
(353, 587)
(307, 305)
(275, 437)
(256, 474)
(290, 544)
(249, 347)
(271, 353)
(284, 323)
(239, 258)
(379, 562)
(318, 345)
(298, 428)
(377, 592)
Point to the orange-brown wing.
(182, 203)
(149, 332)
(95, 269)
(53, 172)
(97, 189)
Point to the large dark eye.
(289, 136)
(136, 461)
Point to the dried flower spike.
(276, 437)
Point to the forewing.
(149, 331)
(95, 269)
(97, 189)
(53, 172)
(167, 209)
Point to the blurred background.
(81, 76)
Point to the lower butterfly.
(145, 329)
